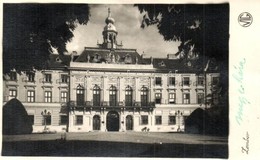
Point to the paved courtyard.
(116, 144)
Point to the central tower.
(109, 34)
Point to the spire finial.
(109, 13)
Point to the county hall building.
(109, 88)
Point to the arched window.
(80, 95)
(112, 96)
(128, 96)
(144, 96)
(96, 95)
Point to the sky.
(127, 22)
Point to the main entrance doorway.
(129, 122)
(96, 122)
(112, 121)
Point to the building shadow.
(58, 148)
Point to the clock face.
(109, 26)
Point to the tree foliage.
(30, 31)
(201, 29)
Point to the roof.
(100, 55)
(130, 56)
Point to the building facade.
(109, 88)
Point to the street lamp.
(45, 114)
(178, 114)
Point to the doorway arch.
(129, 122)
(96, 122)
(112, 121)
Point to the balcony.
(105, 104)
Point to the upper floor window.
(47, 96)
(158, 80)
(30, 76)
(158, 97)
(186, 98)
(96, 95)
(200, 98)
(186, 81)
(12, 94)
(128, 96)
(112, 96)
(172, 81)
(13, 76)
(64, 78)
(144, 96)
(215, 80)
(200, 81)
(48, 78)
(172, 99)
(64, 96)
(30, 96)
(80, 95)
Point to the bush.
(15, 118)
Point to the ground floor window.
(144, 120)
(172, 120)
(158, 120)
(63, 119)
(79, 120)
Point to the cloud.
(127, 21)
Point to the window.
(96, 96)
(186, 81)
(13, 76)
(128, 96)
(172, 99)
(64, 78)
(200, 81)
(214, 98)
(30, 96)
(144, 120)
(158, 120)
(64, 96)
(171, 81)
(158, 97)
(144, 96)
(48, 78)
(30, 76)
(12, 94)
(47, 120)
(172, 120)
(215, 80)
(158, 81)
(79, 120)
(200, 98)
(47, 96)
(186, 98)
(112, 96)
(80, 95)
(63, 119)
(31, 119)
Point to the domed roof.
(110, 20)
(110, 27)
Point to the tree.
(201, 29)
(31, 31)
